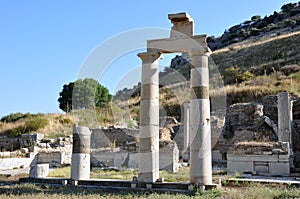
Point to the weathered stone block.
(280, 168)
(39, 171)
(239, 167)
(168, 156)
(253, 158)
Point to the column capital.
(204, 51)
(149, 57)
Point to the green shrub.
(130, 123)
(13, 117)
(254, 31)
(290, 22)
(36, 123)
(18, 131)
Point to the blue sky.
(44, 44)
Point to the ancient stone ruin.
(256, 138)
(182, 39)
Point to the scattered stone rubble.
(247, 141)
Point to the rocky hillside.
(253, 59)
(281, 22)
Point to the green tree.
(83, 94)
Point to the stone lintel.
(182, 44)
(180, 17)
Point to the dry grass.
(59, 125)
(228, 190)
(256, 42)
(181, 176)
(233, 191)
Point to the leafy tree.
(65, 97)
(83, 94)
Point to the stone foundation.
(259, 159)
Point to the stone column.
(80, 166)
(186, 132)
(200, 134)
(284, 118)
(148, 159)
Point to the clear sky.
(43, 44)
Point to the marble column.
(200, 133)
(284, 118)
(186, 132)
(148, 159)
(80, 165)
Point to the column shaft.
(80, 166)
(284, 118)
(148, 160)
(200, 133)
(186, 132)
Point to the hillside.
(287, 20)
(253, 59)
(263, 61)
(51, 125)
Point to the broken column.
(284, 118)
(186, 132)
(200, 133)
(80, 166)
(183, 25)
(148, 159)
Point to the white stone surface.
(199, 119)
(183, 25)
(12, 163)
(53, 158)
(80, 167)
(173, 45)
(284, 117)
(148, 158)
(200, 76)
(39, 171)
(253, 158)
(186, 132)
(234, 167)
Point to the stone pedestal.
(39, 171)
(200, 133)
(148, 160)
(80, 167)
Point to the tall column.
(186, 132)
(200, 134)
(80, 166)
(284, 118)
(148, 159)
